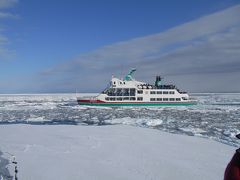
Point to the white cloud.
(208, 46)
(3, 40)
(3, 49)
(7, 3)
(6, 53)
(5, 15)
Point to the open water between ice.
(217, 115)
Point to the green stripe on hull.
(135, 104)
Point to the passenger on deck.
(232, 171)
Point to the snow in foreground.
(111, 152)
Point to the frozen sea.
(217, 115)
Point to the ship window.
(125, 98)
(171, 92)
(159, 92)
(165, 99)
(119, 99)
(159, 99)
(107, 98)
(178, 99)
(140, 91)
(165, 92)
(105, 91)
(171, 99)
(110, 92)
(119, 92)
(152, 99)
(152, 92)
(114, 82)
(132, 98)
(126, 92)
(140, 98)
(132, 92)
(112, 99)
(114, 92)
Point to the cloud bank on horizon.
(200, 56)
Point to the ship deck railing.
(149, 86)
(87, 97)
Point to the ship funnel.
(128, 77)
(158, 81)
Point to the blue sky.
(60, 46)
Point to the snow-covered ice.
(66, 152)
(216, 116)
(53, 137)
